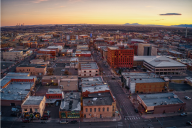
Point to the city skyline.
(35, 12)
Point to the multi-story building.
(13, 55)
(162, 65)
(80, 53)
(39, 61)
(70, 107)
(48, 51)
(53, 96)
(143, 82)
(16, 87)
(88, 69)
(34, 104)
(83, 47)
(117, 57)
(99, 105)
(160, 103)
(33, 69)
(146, 50)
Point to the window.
(103, 109)
(90, 109)
(99, 109)
(94, 109)
(107, 109)
(86, 109)
(89, 71)
(35, 110)
(84, 71)
(25, 109)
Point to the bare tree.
(66, 72)
(50, 71)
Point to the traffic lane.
(56, 124)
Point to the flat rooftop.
(32, 65)
(162, 61)
(70, 78)
(91, 81)
(16, 91)
(139, 75)
(160, 99)
(98, 99)
(71, 102)
(88, 66)
(147, 80)
(97, 88)
(54, 91)
(33, 100)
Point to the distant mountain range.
(181, 25)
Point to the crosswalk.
(132, 118)
(119, 124)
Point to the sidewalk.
(148, 116)
(102, 119)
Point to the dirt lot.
(181, 95)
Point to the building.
(91, 81)
(13, 55)
(146, 50)
(175, 53)
(33, 69)
(83, 47)
(80, 53)
(162, 65)
(53, 95)
(133, 41)
(16, 87)
(117, 57)
(161, 103)
(99, 105)
(39, 61)
(34, 104)
(48, 51)
(70, 107)
(88, 69)
(43, 56)
(143, 82)
(66, 83)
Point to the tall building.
(117, 57)
(146, 50)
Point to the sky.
(35, 12)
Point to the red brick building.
(117, 57)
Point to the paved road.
(26, 60)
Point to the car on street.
(136, 110)
(73, 121)
(64, 122)
(113, 78)
(183, 114)
(26, 120)
(187, 98)
(189, 122)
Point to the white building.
(13, 55)
(88, 69)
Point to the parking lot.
(181, 95)
(179, 87)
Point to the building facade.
(88, 69)
(13, 55)
(117, 58)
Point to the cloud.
(169, 14)
(38, 1)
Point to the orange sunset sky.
(34, 12)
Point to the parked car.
(187, 98)
(73, 121)
(64, 122)
(26, 120)
(136, 110)
(183, 114)
(189, 122)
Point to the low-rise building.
(99, 105)
(16, 87)
(39, 61)
(160, 103)
(144, 82)
(70, 107)
(83, 47)
(80, 53)
(88, 69)
(91, 81)
(53, 95)
(34, 104)
(13, 55)
(33, 69)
